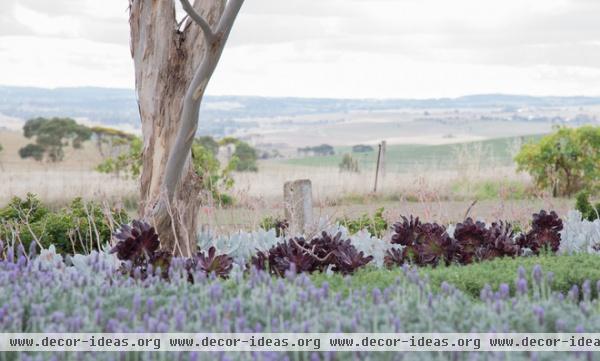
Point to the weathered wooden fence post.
(297, 199)
(380, 166)
(382, 160)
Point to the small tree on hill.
(51, 135)
(110, 141)
(245, 157)
(349, 164)
(565, 161)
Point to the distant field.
(402, 158)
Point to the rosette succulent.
(293, 251)
(476, 242)
(210, 262)
(139, 245)
(499, 242)
(347, 259)
(424, 243)
(544, 233)
(470, 239)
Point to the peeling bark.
(170, 64)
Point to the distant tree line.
(362, 148)
(320, 150)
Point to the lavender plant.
(107, 301)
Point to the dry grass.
(330, 185)
(433, 195)
(60, 186)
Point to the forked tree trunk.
(167, 58)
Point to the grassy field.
(420, 180)
(408, 157)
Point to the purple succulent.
(211, 263)
(544, 233)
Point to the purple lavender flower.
(574, 293)
(294, 309)
(281, 287)
(521, 272)
(522, 286)
(537, 274)
(325, 289)
(179, 320)
(376, 296)
(10, 255)
(587, 289)
(504, 290)
(149, 305)
(215, 291)
(486, 293)
(538, 311)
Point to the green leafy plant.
(376, 225)
(127, 162)
(51, 135)
(79, 227)
(565, 162)
(280, 225)
(588, 210)
(215, 179)
(245, 157)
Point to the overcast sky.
(329, 48)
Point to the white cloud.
(334, 48)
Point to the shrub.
(376, 225)
(349, 164)
(90, 297)
(216, 180)
(566, 161)
(79, 227)
(566, 270)
(280, 225)
(127, 162)
(246, 157)
(586, 208)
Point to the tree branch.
(193, 14)
(231, 11)
(191, 105)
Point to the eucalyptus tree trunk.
(173, 64)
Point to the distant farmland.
(405, 157)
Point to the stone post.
(297, 199)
